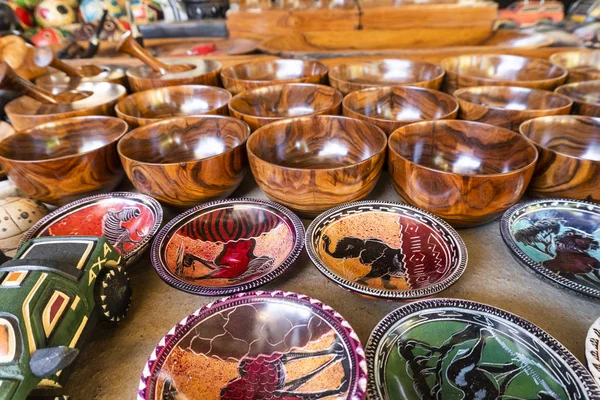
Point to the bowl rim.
(216, 67)
(445, 121)
(556, 57)
(226, 72)
(412, 294)
(335, 69)
(571, 117)
(339, 99)
(191, 118)
(463, 90)
(562, 88)
(564, 74)
(117, 139)
(159, 242)
(391, 89)
(286, 121)
(185, 88)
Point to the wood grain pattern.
(62, 161)
(22, 56)
(386, 72)
(583, 65)
(501, 70)
(186, 161)
(39, 106)
(392, 107)
(242, 77)
(149, 106)
(258, 107)
(465, 172)
(89, 73)
(6, 130)
(569, 163)
(508, 107)
(310, 164)
(585, 96)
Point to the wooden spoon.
(129, 46)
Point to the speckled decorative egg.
(17, 215)
(54, 13)
(145, 11)
(91, 10)
(47, 37)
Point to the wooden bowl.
(90, 73)
(569, 163)
(242, 77)
(185, 161)
(583, 65)
(153, 105)
(201, 72)
(585, 96)
(262, 106)
(392, 107)
(98, 99)
(501, 70)
(65, 160)
(509, 106)
(310, 164)
(388, 72)
(466, 172)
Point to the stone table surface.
(111, 363)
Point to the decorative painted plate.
(386, 250)
(127, 220)
(261, 345)
(592, 350)
(227, 246)
(456, 349)
(558, 239)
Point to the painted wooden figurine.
(51, 293)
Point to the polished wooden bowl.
(262, 106)
(509, 106)
(465, 172)
(585, 96)
(156, 73)
(149, 106)
(583, 65)
(392, 107)
(242, 77)
(61, 161)
(569, 163)
(501, 70)
(388, 72)
(310, 164)
(88, 73)
(185, 161)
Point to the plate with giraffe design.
(592, 350)
(386, 250)
(127, 220)
(458, 349)
(227, 246)
(258, 345)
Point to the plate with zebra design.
(227, 246)
(127, 220)
(592, 350)
(458, 349)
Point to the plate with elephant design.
(458, 349)
(559, 239)
(127, 220)
(227, 246)
(386, 250)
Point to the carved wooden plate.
(453, 349)
(262, 345)
(386, 250)
(227, 246)
(128, 221)
(558, 239)
(592, 350)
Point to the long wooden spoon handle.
(66, 68)
(10, 80)
(129, 46)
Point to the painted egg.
(27, 4)
(54, 13)
(22, 15)
(91, 10)
(17, 215)
(47, 37)
(146, 12)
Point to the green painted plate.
(455, 349)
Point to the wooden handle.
(64, 67)
(10, 80)
(128, 45)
